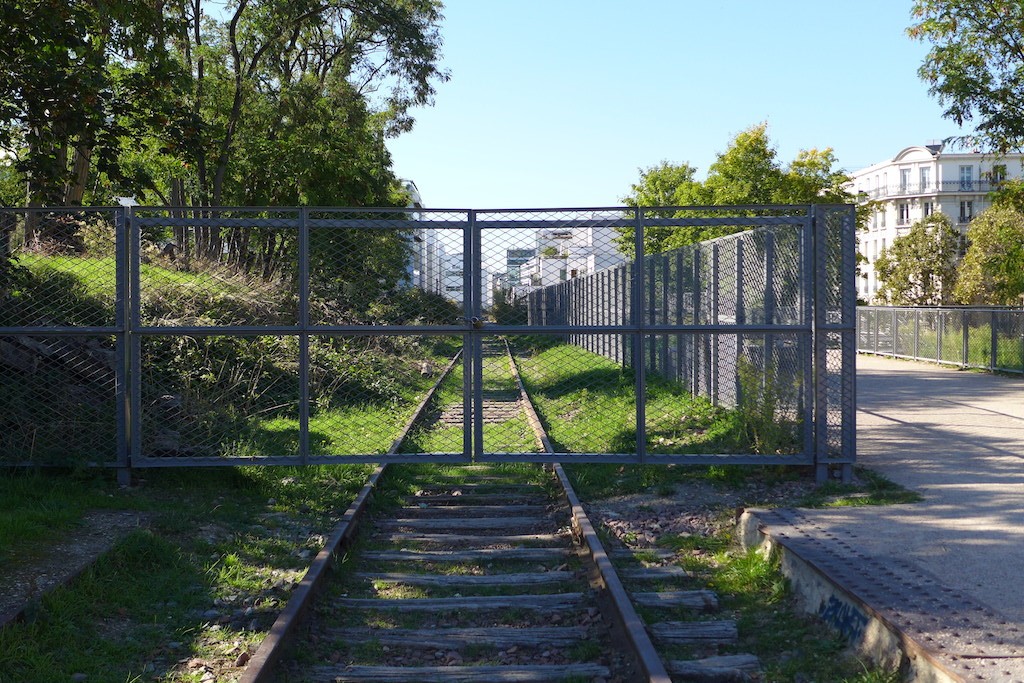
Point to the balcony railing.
(945, 187)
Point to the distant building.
(920, 181)
(565, 253)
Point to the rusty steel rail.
(630, 622)
(261, 666)
(602, 573)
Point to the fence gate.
(153, 337)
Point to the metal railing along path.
(985, 338)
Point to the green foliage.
(509, 311)
(920, 267)
(975, 66)
(214, 543)
(747, 173)
(192, 104)
(992, 270)
(761, 409)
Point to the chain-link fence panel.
(367, 390)
(687, 316)
(927, 333)
(388, 267)
(61, 336)
(751, 399)
(529, 258)
(59, 403)
(58, 268)
(216, 268)
(1008, 333)
(905, 333)
(216, 399)
(585, 401)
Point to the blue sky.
(558, 103)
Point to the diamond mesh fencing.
(835, 338)
(968, 337)
(60, 336)
(716, 336)
(178, 337)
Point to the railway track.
(491, 573)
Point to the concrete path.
(945, 576)
(956, 437)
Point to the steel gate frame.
(828, 327)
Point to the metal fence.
(968, 337)
(757, 322)
(155, 337)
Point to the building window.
(903, 214)
(885, 184)
(928, 209)
(966, 211)
(881, 223)
(926, 178)
(904, 180)
(966, 177)
(883, 245)
(998, 174)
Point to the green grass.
(588, 405)
(36, 505)
(874, 489)
(513, 435)
(218, 540)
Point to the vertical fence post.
(650, 284)
(940, 330)
(122, 344)
(678, 313)
(770, 304)
(808, 341)
(876, 325)
(304, 323)
(966, 338)
(820, 347)
(994, 341)
(895, 332)
(916, 334)
(134, 339)
(639, 363)
(741, 318)
(666, 364)
(470, 340)
(714, 321)
(697, 373)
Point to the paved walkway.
(948, 572)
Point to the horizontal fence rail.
(162, 337)
(985, 338)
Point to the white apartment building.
(567, 253)
(917, 182)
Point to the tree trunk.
(74, 189)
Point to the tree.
(975, 66)
(920, 267)
(748, 174)
(183, 106)
(71, 74)
(992, 271)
